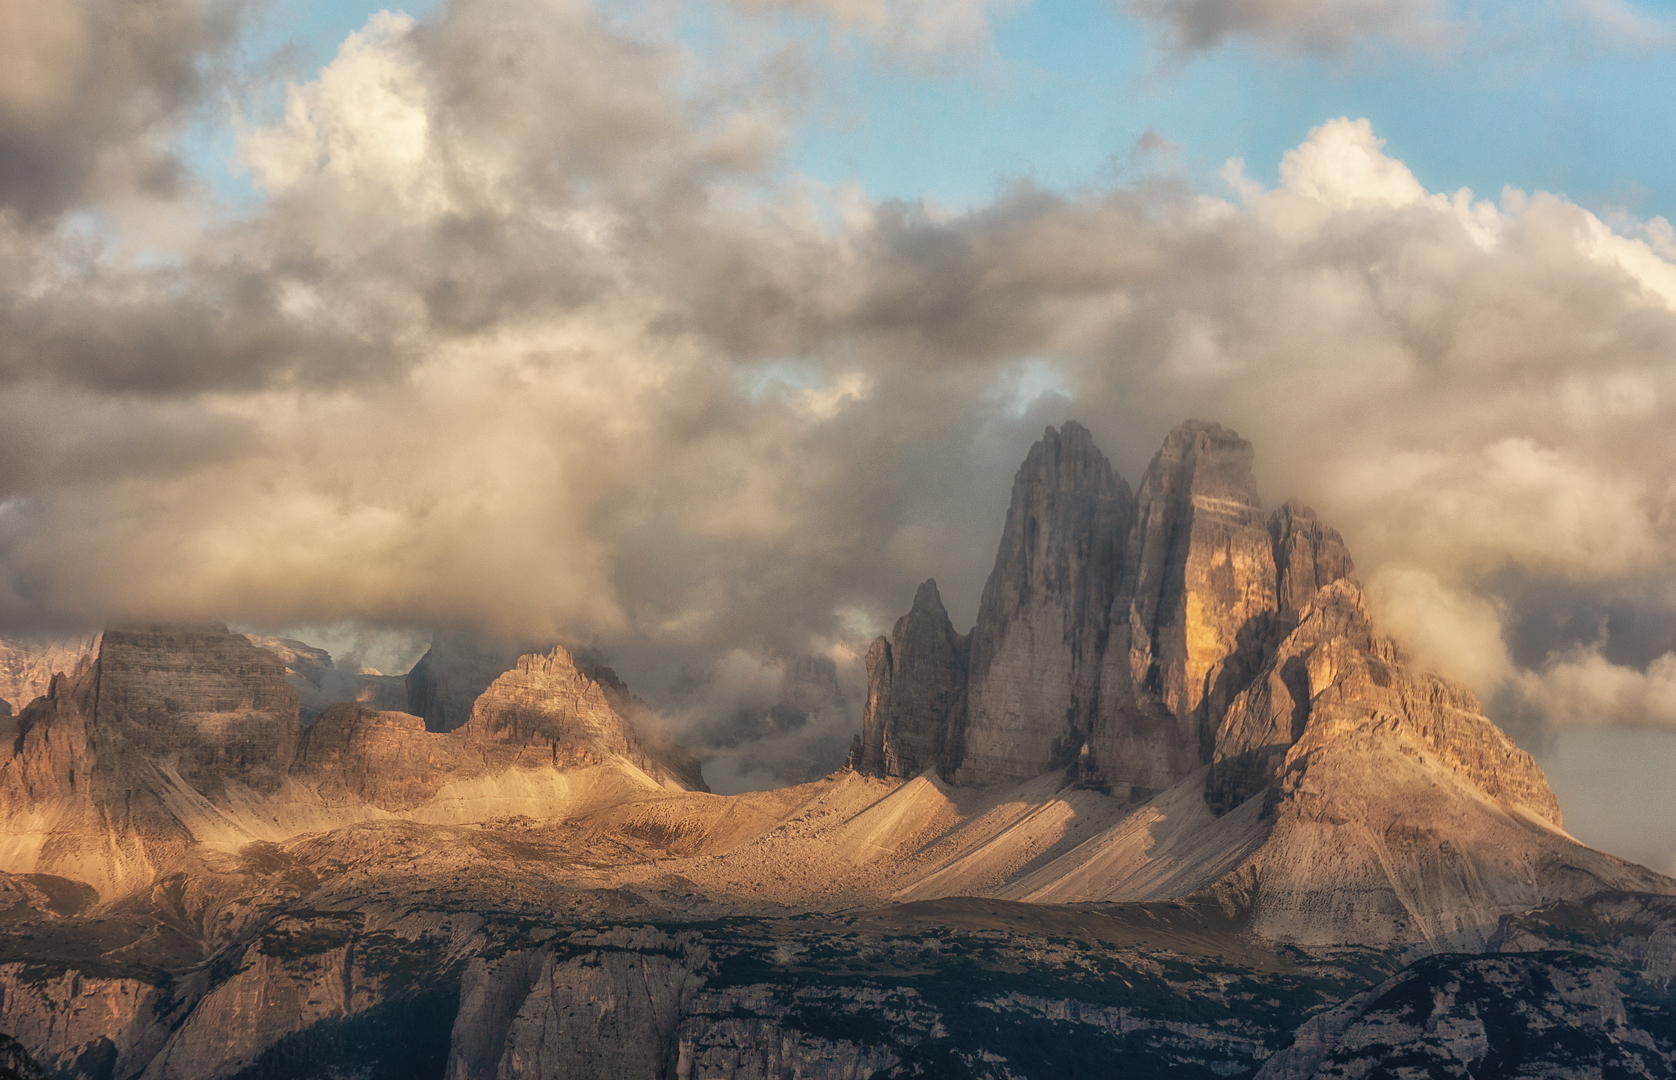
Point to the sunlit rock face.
(1115, 632)
(28, 664)
(175, 737)
(546, 711)
(1200, 567)
(110, 770)
(460, 664)
(1033, 684)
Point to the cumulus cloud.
(91, 92)
(535, 332)
(1329, 27)
(906, 29)
(1582, 688)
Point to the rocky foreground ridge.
(1172, 807)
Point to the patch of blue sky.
(1526, 98)
(758, 381)
(1521, 100)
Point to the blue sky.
(1540, 98)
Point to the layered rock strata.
(27, 665)
(175, 737)
(460, 664)
(1114, 631)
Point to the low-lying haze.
(537, 327)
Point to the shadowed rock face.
(204, 697)
(916, 687)
(1307, 555)
(460, 664)
(1033, 687)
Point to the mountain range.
(1172, 806)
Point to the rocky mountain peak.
(1200, 564)
(1033, 681)
(1308, 555)
(459, 666)
(916, 687)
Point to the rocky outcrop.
(608, 1006)
(1114, 634)
(1200, 566)
(916, 689)
(179, 737)
(1033, 684)
(458, 667)
(1308, 556)
(28, 663)
(1578, 988)
(318, 682)
(202, 697)
(545, 711)
(79, 1024)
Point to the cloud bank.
(536, 331)
(1321, 27)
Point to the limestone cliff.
(916, 687)
(208, 700)
(1033, 682)
(28, 663)
(176, 738)
(1114, 633)
(546, 711)
(460, 664)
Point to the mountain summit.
(1172, 807)
(1216, 668)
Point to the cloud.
(537, 332)
(905, 28)
(1324, 27)
(1622, 25)
(1582, 688)
(91, 92)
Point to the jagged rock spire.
(1032, 693)
(916, 688)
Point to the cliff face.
(113, 774)
(1114, 632)
(1033, 682)
(546, 711)
(1200, 568)
(27, 665)
(209, 700)
(177, 737)
(460, 664)
(916, 688)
